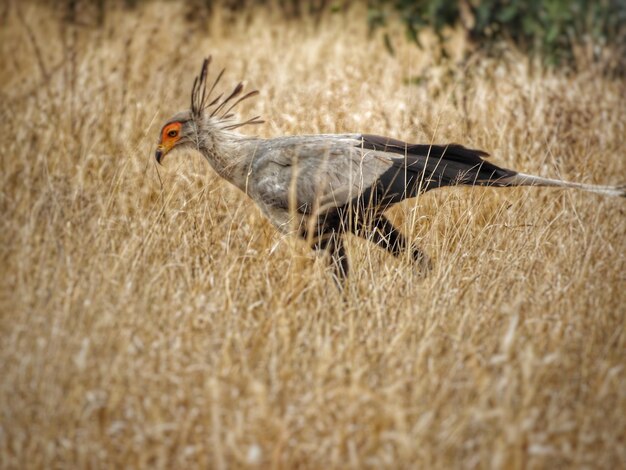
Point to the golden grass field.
(161, 322)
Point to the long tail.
(522, 179)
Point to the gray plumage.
(323, 186)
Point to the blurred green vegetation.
(551, 29)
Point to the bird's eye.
(172, 133)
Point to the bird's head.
(200, 125)
(178, 131)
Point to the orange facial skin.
(169, 136)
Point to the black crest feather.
(198, 91)
(200, 98)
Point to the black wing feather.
(425, 167)
(453, 162)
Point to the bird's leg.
(333, 244)
(384, 234)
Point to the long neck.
(230, 154)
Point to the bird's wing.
(314, 173)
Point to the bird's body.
(318, 175)
(323, 186)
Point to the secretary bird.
(323, 186)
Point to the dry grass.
(149, 325)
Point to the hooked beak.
(161, 151)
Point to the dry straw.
(151, 322)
